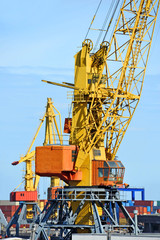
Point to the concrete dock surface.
(115, 237)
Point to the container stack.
(8, 208)
(143, 208)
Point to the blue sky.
(38, 41)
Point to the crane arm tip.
(15, 163)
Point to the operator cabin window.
(100, 172)
(113, 172)
(106, 170)
(103, 172)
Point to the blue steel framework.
(3, 221)
(133, 191)
(58, 214)
(20, 217)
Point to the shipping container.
(24, 196)
(141, 210)
(145, 210)
(123, 221)
(143, 203)
(155, 203)
(148, 208)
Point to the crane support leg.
(20, 217)
(98, 224)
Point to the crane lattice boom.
(124, 60)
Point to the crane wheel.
(104, 44)
(89, 43)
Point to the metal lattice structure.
(58, 215)
(20, 217)
(124, 64)
(53, 134)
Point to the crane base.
(58, 217)
(20, 217)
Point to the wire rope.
(110, 22)
(104, 25)
(115, 24)
(93, 18)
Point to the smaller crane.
(28, 209)
(52, 135)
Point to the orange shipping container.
(140, 210)
(144, 210)
(23, 196)
(6, 207)
(122, 216)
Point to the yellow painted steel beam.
(60, 84)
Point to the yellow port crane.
(110, 99)
(53, 135)
(107, 89)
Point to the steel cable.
(104, 25)
(93, 18)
